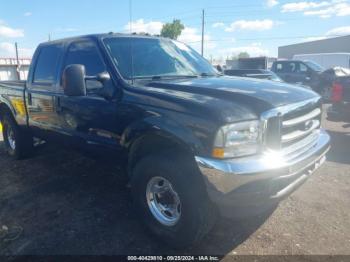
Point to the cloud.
(271, 3)
(252, 25)
(342, 9)
(189, 35)
(217, 25)
(301, 6)
(324, 9)
(343, 30)
(254, 49)
(314, 38)
(140, 26)
(66, 29)
(8, 50)
(7, 32)
(338, 31)
(193, 37)
(27, 14)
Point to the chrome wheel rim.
(163, 201)
(11, 138)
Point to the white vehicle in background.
(327, 60)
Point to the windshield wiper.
(209, 75)
(160, 77)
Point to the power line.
(130, 15)
(263, 38)
(246, 5)
(202, 33)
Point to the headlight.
(238, 139)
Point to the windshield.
(314, 66)
(274, 77)
(153, 57)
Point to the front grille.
(294, 128)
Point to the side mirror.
(74, 80)
(102, 77)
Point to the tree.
(172, 30)
(243, 55)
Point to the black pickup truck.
(197, 143)
(310, 74)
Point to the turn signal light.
(218, 152)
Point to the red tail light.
(337, 92)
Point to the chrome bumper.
(251, 180)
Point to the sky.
(257, 26)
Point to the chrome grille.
(293, 129)
(298, 127)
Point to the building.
(330, 45)
(9, 67)
(262, 62)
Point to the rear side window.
(47, 64)
(291, 67)
(279, 67)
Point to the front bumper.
(252, 181)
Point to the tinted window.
(85, 53)
(314, 66)
(47, 64)
(303, 68)
(279, 67)
(291, 67)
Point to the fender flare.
(162, 127)
(7, 104)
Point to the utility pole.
(130, 16)
(202, 50)
(17, 59)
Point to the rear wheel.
(171, 199)
(18, 142)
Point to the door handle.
(58, 104)
(30, 100)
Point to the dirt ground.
(62, 202)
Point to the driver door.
(90, 119)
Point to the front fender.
(163, 127)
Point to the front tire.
(18, 142)
(177, 211)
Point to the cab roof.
(99, 36)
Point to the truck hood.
(259, 95)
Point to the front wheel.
(171, 199)
(18, 142)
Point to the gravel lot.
(62, 202)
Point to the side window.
(290, 67)
(47, 64)
(279, 67)
(86, 53)
(303, 68)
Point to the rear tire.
(196, 213)
(18, 142)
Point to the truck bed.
(12, 95)
(15, 84)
